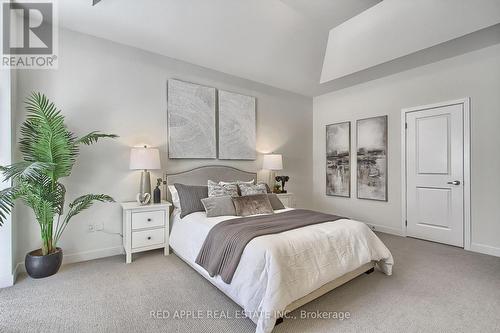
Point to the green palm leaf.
(46, 139)
(93, 137)
(6, 202)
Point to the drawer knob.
(149, 237)
(149, 220)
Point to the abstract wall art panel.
(237, 127)
(372, 158)
(191, 120)
(338, 159)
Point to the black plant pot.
(39, 266)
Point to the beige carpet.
(435, 288)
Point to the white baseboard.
(485, 249)
(6, 281)
(80, 257)
(384, 229)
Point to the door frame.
(466, 181)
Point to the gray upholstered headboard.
(201, 175)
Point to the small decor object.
(191, 120)
(49, 152)
(237, 127)
(372, 158)
(273, 163)
(144, 159)
(283, 180)
(338, 159)
(143, 199)
(157, 192)
(277, 188)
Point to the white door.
(435, 174)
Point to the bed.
(279, 273)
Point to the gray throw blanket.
(225, 242)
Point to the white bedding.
(276, 270)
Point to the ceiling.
(280, 43)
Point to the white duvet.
(276, 270)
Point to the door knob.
(455, 182)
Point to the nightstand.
(145, 227)
(287, 199)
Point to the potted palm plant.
(49, 151)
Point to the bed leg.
(371, 270)
(278, 321)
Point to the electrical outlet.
(98, 226)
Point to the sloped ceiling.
(276, 42)
(396, 28)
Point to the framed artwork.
(372, 158)
(237, 126)
(191, 120)
(338, 159)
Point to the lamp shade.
(144, 159)
(272, 162)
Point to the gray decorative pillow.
(275, 201)
(268, 189)
(246, 189)
(219, 206)
(220, 190)
(252, 204)
(190, 198)
(238, 182)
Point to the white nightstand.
(287, 199)
(145, 227)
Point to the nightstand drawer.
(152, 219)
(148, 238)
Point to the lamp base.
(271, 181)
(145, 186)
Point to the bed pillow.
(219, 206)
(174, 196)
(252, 204)
(221, 190)
(246, 189)
(275, 201)
(190, 198)
(268, 189)
(239, 182)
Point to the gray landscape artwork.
(372, 158)
(191, 120)
(237, 127)
(338, 159)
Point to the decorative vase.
(39, 266)
(157, 195)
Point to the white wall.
(475, 74)
(101, 85)
(6, 231)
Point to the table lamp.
(272, 162)
(145, 159)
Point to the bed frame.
(201, 175)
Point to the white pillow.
(175, 197)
